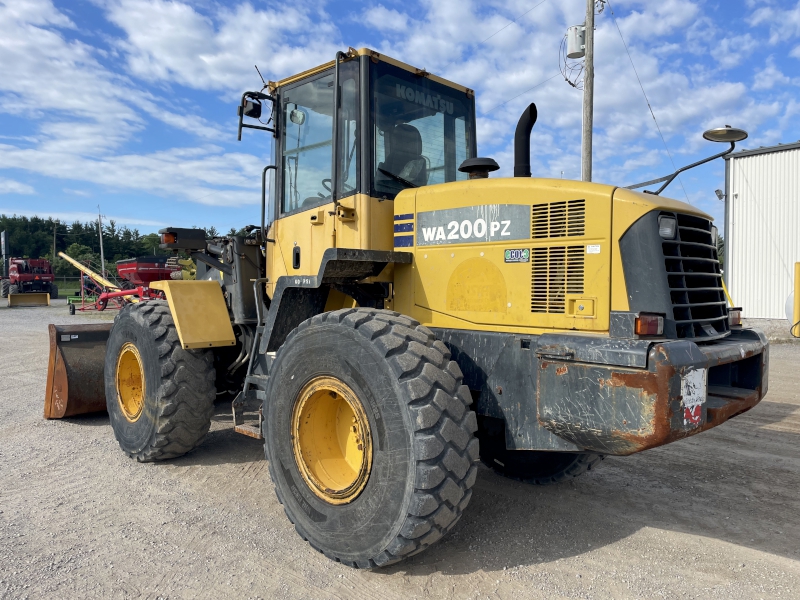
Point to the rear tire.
(414, 409)
(162, 408)
(71, 309)
(530, 466)
(4, 284)
(53, 292)
(13, 289)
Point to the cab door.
(307, 221)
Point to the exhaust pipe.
(522, 142)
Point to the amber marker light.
(649, 325)
(168, 238)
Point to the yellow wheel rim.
(331, 440)
(130, 382)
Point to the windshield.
(423, 131)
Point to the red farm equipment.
(136, 273)
(32, 277)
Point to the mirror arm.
(669, 178)
(240, 112)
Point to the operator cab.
(398, 128)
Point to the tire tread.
(445, 446)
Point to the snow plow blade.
(29, 299)
(75, 384)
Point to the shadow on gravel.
(737, 485)
(222, 447)
(98, 419)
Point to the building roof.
(764, 150)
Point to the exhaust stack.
(522, 142)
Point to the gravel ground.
(715, 516)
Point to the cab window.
(422, 131)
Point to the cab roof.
(376, 56)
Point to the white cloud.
(386, 19)
(9, 186)
(769, 77)
(72, 216)
(731, 51)
(173, 42)
(85, 114)
(784, 23)
(205, 175)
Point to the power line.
(522, 93)
(514, 20)
(646, 99)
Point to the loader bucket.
(29, 299)
(75, 383)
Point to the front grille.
(695, 281)
(555, 272)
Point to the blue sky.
(130, 104)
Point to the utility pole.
(588, 95)
(54, 242)
(100, 233)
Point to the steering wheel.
(328, 185)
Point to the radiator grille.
(695, 280)
(555, 272)
(558, 219)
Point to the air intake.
(558, 219)
(555, 272)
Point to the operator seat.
(404, 155)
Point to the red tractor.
(29, 275)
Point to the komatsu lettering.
(433, 101)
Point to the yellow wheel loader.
(399, 315)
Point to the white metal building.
(762, 228)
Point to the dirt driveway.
(715, 516)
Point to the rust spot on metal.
(561, 370)
(249, 430)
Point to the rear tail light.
(168, 238)
(735, 317)
(649, 325)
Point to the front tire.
(4, 288)
(53, 292)
(398, 477)
(13, 289)
(160, 397)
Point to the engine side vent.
(555, 272)
(558, 219)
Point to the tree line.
(33, 237)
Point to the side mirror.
(297, 116)
(250, 106)
(252, 109)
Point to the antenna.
(262, 77)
